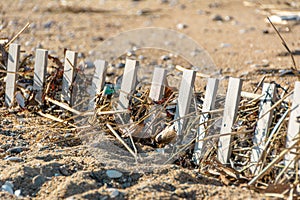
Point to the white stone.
(111, 173)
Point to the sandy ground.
(56, 164)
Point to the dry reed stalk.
(271, 164)
(17, 35)
(274, 131)
(122, 141)
(277, 103)
(63, 105)
(180, 68)
(55, 118)
(284, 169)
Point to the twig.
(120, 140)
(285, 168)
(110, 112)
(180, 68)
(275, 130)
(55, 118)
(259, 84)
(63, 105)
(284, 44)
(17, 35)
(277, 103)
(265, 170)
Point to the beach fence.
(261, 135)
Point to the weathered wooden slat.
(156, 93)
(208, 104)
(263, 124)
(158, 83)
(186, 91)
(68, 76)
(128, 83)
(294, 124)
(98, 80)
(40, 69)
(11, 78)
(229, 116)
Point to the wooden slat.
(40, 69)
(208, 104)
(68, 76)
(11, 78)
(263, 124)
(229, 116)
(186, 91)
(98, 80)
(294, 125)
(128, 83)
(156, 93)
(158, 83)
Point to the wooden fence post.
(158, 84)
(128, 85)
(294, 124)
(208, 105)
(40, 69)
(98, 80)
(229, 117)
(156, 93)
(68, 76)
(264, 121)
(186, 91)
(12, 69)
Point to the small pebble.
(130, 53)
(214, 5)
(265, 31)
(141, 57)
(164, 1)
(111, 173)
(38, 181)
(217, 18)
(225, 45)
(17, 149)
(120, 65)
(48, 24)
(165, 57)
(18, 192)
(113, 192)
(228, 18)
(7, 188)
(14, 159)
(181, 26)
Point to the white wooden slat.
(208, 105)
(263, 124)
(158, 83)
(98, 80)
(40, 69)
(156, 93)
(11, 78)
(294, 125)
(229, 116)
(68, 76)
(128, 83)
(186, 91)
